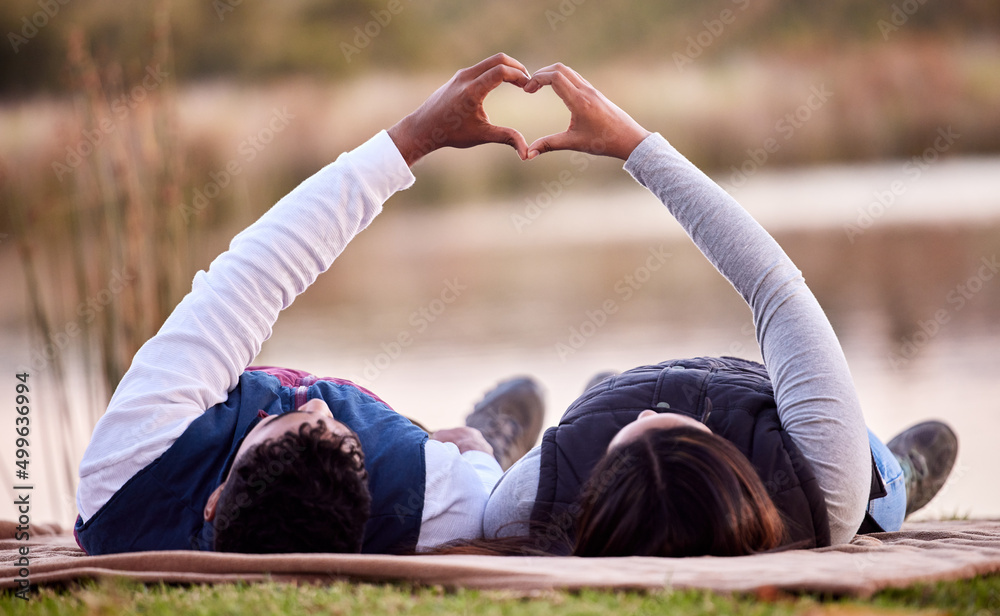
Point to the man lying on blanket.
(198, 451)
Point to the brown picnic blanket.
(921, 552)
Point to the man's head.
(297, 484)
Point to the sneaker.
(510, 417)
(927, 453)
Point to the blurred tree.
(251, 40)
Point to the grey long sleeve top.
(817, 402)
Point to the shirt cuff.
(381, 166)
(635, 165)
(486, 467)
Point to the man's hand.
(596, 125)
(454, 116)
(467, 439)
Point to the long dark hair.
(671, 492)
(676, 492)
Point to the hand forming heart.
(453, 116)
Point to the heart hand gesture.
(454, 116)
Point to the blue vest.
(161, 507)
(743, 412)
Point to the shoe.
(927, 453)
(598, 379)
(510, 417)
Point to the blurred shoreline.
(526, 290)
(873, 162)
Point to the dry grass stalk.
(126, 245)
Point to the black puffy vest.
(743, 412)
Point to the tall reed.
(107, 255)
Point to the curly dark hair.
(305, 491)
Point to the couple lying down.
(719, 456)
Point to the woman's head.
(675, 491)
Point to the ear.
(213, 501)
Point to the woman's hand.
(454, 116)
(596, 125)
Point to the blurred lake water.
(430, 308)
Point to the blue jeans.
(889, 510)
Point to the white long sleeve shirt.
(212, 336)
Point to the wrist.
(632, 140)
(405, 141)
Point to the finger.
(560, 83)
(558, 68)
(508, 136)
(497, 75)
(442, 435)
(550, 143)
(500, 59)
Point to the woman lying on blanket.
(718, 456)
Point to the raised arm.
(815, 394)
(196, 358)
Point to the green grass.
(975, 597)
